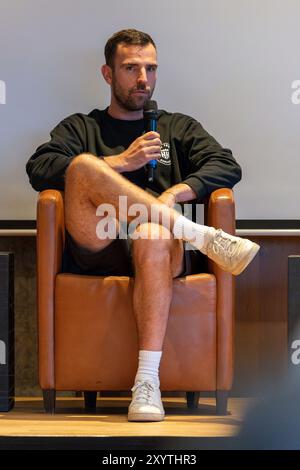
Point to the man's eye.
(151, 68)
(129, 67)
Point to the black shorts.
(116, 259)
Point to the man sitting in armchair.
(103, 157)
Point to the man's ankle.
(208, 236)
(147, 378)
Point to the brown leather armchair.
(87, 332)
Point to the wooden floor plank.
(27, 418)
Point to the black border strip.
(17, 224)
(245, 224)
(268, 224)
(116, 443)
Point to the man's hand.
(180, 192)
(141, 151)
(168, 198)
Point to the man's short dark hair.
(126, 36)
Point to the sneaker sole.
(247, 260)
(145, 417)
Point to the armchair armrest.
(220, 213)
(220, 210)
(50, 244)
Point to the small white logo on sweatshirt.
(165, 158)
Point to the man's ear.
(107, 73)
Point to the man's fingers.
(151, 135)
(152, 143)
(153, 156)
(154, 149)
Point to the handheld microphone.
(150, 116)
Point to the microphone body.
(150, 116)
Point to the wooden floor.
(28, 419)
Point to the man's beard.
(129, 102)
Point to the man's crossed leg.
(90, 182)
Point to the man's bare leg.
(166, 254)
(156, 262)
(90, 181)
(151, 312)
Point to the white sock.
(148, 365)
(196, 234)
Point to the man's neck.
(120, 113)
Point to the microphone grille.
(150, 106)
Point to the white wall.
(229, 63)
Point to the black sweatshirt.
(189, 154)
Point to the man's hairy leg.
(98, 184)
(89, 182)
(156, 263)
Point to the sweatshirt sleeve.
(210, 166)
(46, 167)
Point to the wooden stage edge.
(26, 426)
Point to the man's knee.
(164, 252)
(81, 165)
(152, 232)
(151, 242)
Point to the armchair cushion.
(96, 345)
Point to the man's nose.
(142, 77)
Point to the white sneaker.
(232, 254)
(146, 404)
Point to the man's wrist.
(182, 192)
(117, 163)
(173, 194)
